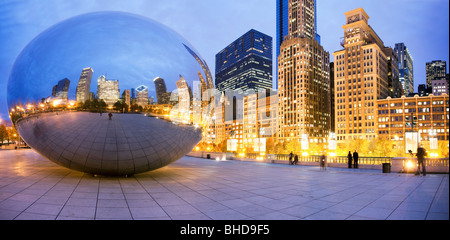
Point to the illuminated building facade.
(84, 85)
(245, 64)
(162, 97)
(259, 120)
(394, 85)
(435, 70)
(126, 97)
(430, 115)
(142, 96)
(61, 90)
(361, 78)
(303, 79)
(440, 86)
(405, 67)
(108, 90)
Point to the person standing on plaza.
(290, 158)
(355, 159)
(323, 162)
(421, 154)
(295, 159)
(110, 116)
(349, 156)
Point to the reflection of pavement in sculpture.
(90, 142)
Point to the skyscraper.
(405, 68)
(283, 23)
(61, 90)
(361, 77)
(126, 96)
(303, 79)
(142, 96)
(108, 90)
(162, 96)
(84, 85)
(435, 70)
(245, 64)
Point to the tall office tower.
(162, 96)
(405, 68)
(108, 90)
(126, 96)
(183, 106)
(84, 85)
(303, 79)
(361, 77)
(435, 70)
(394, 85)
(61, 90)
(283, 23)
(245, 64)
(332, 90)
(142, 96)
(302, 18)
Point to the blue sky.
(210, 25)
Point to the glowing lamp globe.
(109, 93)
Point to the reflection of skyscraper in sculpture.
(108, 90)
(203, 65)
(126, 97)
(142, 96)
(161, 91)
(61, 90)
(84, 85)
(184, 98)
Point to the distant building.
(435, 70)
(440, 86)
(61, 90)
(108, 90)
(405, 68)
(162, 96)
(184, 98)
(126, 96)
(394, 85)
(142, 96)
(84, 85)
(424, 90)
(245, 64)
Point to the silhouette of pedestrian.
(290, 158)
(110, 116)
(323, 162)
(295, 159)
(355, 159)
(421, 154)
(349, 156)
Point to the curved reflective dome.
(70, 79)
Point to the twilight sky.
(210, 25)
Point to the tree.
(120, 106)
(3, 134)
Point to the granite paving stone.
(34, 188)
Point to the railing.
(433, 165)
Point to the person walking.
(349, 156)
(295, 159)
(290, 158)
(355, 159)
(421, 154)
(110, 116)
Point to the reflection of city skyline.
(108, 90)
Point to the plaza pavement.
(32, 187)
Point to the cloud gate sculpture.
(110, 93)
